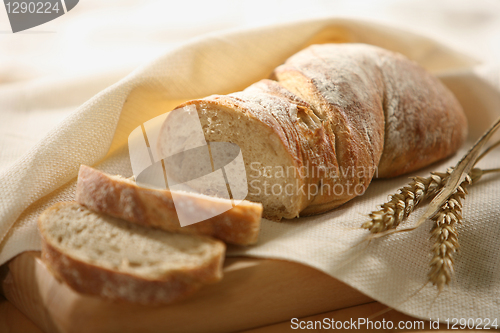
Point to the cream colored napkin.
(390, 270)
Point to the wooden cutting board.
(253, 293)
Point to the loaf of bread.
(104, 256)
(330, 119)
(122, 198)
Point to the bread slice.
(101, 255)
(119, 197)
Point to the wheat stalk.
(403, 203)
(447, 191)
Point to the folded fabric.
(389, 270)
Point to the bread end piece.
(119, 197)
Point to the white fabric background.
(99, 42)
(47, 74)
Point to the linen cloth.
(392, 271)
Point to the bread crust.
(87, 278)
(346, 97)
(389, 115)
(155, 208)
(424, 120)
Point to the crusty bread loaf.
(101, 255)
(122, 198)
(332, 117)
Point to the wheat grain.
(445, 237)
(444, 233)
(401, 204)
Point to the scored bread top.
(380, 99)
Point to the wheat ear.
(444, 232)
(401, 204)
(445, 236)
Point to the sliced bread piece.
(101, 255)
(119, 197)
